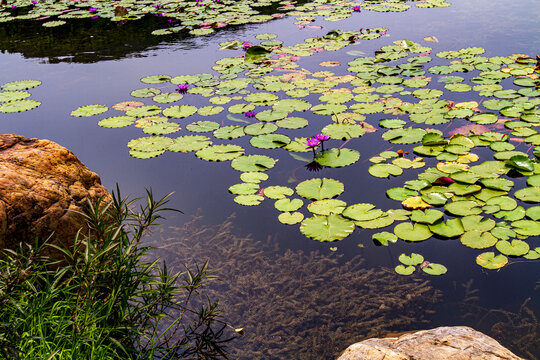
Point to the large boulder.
(442, 343)
(42, 187)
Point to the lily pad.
(477, 239)
(488, 260)
(248, 200)
(327, 206)
(150, 143)
(82, 111)
(409, 232)
(449, 229)
(220, 152)
(362, 212)
(253, 163)
(434, 269)
(404, 270)
(429, 216)
(384, 170)
(179, 111)
(384, 237)
(412, 260)
(189, 143)
(277, 192)
(337, 157)
(327, 228)
(290, 218)
(288, 205)
(514, 248)
(318, 189)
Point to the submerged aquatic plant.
(325, 302)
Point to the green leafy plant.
(104, 297)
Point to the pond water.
(290, 305)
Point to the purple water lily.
(34, 2)
(157, 6)
(322, 137)
(312, 143)
(357, 8)
(250, 114)
(92, 10)
(182, 88)
(94, 17)
(13, 6)
(246, 45)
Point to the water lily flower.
(13, 6)
(92, 9)
(34, 2)
(312, 143)
(94, 17)
(250, 114)
(200, 4)
(157, 6)
(357, 8)
(182, 88)
(322, 137)
(246, 45)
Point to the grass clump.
(106, 299)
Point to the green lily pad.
(400, 194)
(521, 162)
(409, 232)
(229, 132)
(143, 111)
(384, 237)
(179, 111)
(253, 163)
(209, 110)
(477, 239)
(327, 228)
(533, 213)
(318, 189)
(244, 189)
(271, 115)
(526, 227)
(13, 95)
(514, 248)
(450, 229)
(116, 121)
(155, 79)
(404, 270)
(463, 208)
(161, 128)
(384, 170)
(145, 92)
(428, 216)
(220, 152)
(20, 85)
(82, 111)
(269, 141)
(292, 123)
(529, 194)
(189, 143)
(411, 260)
(488, 260)
(248, 200)
(260, 128)
(277, 192)
(202, 126)
(337, 157)
(327, 206)
(150, 143)
(344, 131)
(290, 218)
(145, 154)
(498, 184)
(435, 269)
(362, 212)
(288, 205)
(477, 222)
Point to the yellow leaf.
(414, 203)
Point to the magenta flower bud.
(34, 2)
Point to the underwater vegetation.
(291, 304)
(518, 330)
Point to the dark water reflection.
(492, 302)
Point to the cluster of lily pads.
(14, 97)
(408, 263)
(198, 17)
(267, 84)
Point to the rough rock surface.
(42, 184)
(443, 343)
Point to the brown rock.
(442, 343)
(42, 184)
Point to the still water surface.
(91, 64)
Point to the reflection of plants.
(297, 305)
(107, 301)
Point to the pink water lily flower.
(92, 9)
(322, 137)
(357, 8)
(246, 45)
(182, 88)
(250, 114)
